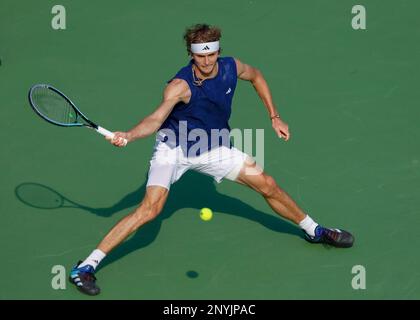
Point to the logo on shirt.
(229, 91)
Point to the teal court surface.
(350, 97)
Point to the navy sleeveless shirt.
(209, 108)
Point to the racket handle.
(108, 134)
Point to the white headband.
(205, 47)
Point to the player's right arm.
(176, 91)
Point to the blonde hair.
(200, 33)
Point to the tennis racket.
(53, 106)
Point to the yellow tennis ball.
(206, 214)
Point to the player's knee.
(154, 211)
(269, 186)
(148, 210)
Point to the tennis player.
(197, 103)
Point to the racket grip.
(108, 134)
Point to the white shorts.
(168, 165)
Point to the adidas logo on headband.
(206, 48)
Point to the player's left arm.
(253, 75)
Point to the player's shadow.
(192, 191)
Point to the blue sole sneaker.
(334, 237)
(84, 279)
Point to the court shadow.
(194, 190)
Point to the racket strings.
(53, 106)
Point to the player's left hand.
(281, 128)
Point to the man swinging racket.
(198, 99)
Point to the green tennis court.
(350, 97)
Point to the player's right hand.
(120, 139)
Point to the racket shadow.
(40, 196)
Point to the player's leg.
(232, 164)
(82, 275)
(164, 170)
(148, 209)
(254, 177)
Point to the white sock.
(308, 225)
(94, 259)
